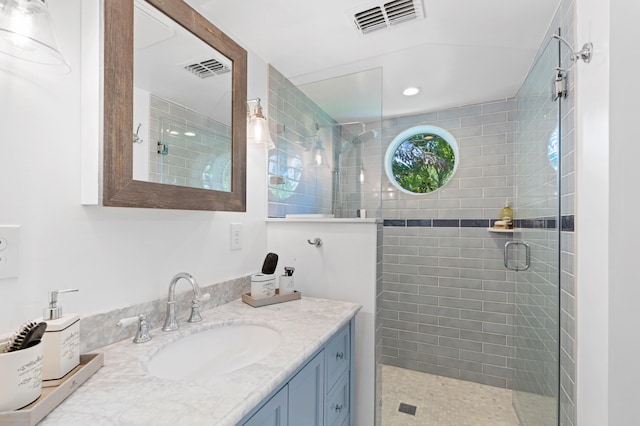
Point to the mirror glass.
(181, 105)
(175, 109)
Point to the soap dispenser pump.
(61, 341)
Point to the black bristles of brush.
(18, 337)
(34, 335)
(28, 335)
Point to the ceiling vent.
(378, 16)
(207, 68)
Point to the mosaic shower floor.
(441, 401)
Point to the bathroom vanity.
(309, 374)
(319, 393)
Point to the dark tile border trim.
(567, 223)
(427, 223)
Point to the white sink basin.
(214, 352)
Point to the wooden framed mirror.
(120, 188)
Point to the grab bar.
(527, 255)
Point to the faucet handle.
(142, 334)
(195, 307)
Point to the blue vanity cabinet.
(274, 412)
(306, 394)
(319, 394)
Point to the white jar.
(21, 377)
(263, 285)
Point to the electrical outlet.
(236, 236)
(9, 251)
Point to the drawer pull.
(339, 355)
(339, 408)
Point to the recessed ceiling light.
(189, 134)
(174, 132)
(410, 91)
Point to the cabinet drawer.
(338, 356)
(337, 405)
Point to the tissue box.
(21, 377)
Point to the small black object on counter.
(270, 264)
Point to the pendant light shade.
(258, 128)
(26, 32)
(319, 155)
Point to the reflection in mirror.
(285, 173)
(182, 91)
(187, 109)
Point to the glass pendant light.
(319, 155)
(26, 32)
(258, 128)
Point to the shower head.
(364, 137)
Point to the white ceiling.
(462, 52)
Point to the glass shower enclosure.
(537, 155)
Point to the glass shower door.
(537, 214)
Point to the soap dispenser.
(61, 341)
(506, 215)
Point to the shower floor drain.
(408, 409)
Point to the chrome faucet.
(170, 322)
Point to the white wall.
(343, 268)
(115, 256)
(608, 202)
(592, 215)
(624, 205)
(141, 106)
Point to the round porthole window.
(421, 159)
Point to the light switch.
(9, 251)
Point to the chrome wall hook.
(136, 137)
(316, 242)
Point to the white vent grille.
(370, 20)
(207, 68)
(379, 16)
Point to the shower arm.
(585, 53)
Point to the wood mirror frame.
(119, 188)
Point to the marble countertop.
(123, 393)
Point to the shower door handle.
(527, 255)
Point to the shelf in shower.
(501, 230)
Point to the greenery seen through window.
(423, 163)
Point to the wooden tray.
(51, 397)
(278, 298)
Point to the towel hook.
(136, 137)
(316, 242)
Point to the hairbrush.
(29, 334)
(270, 264)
